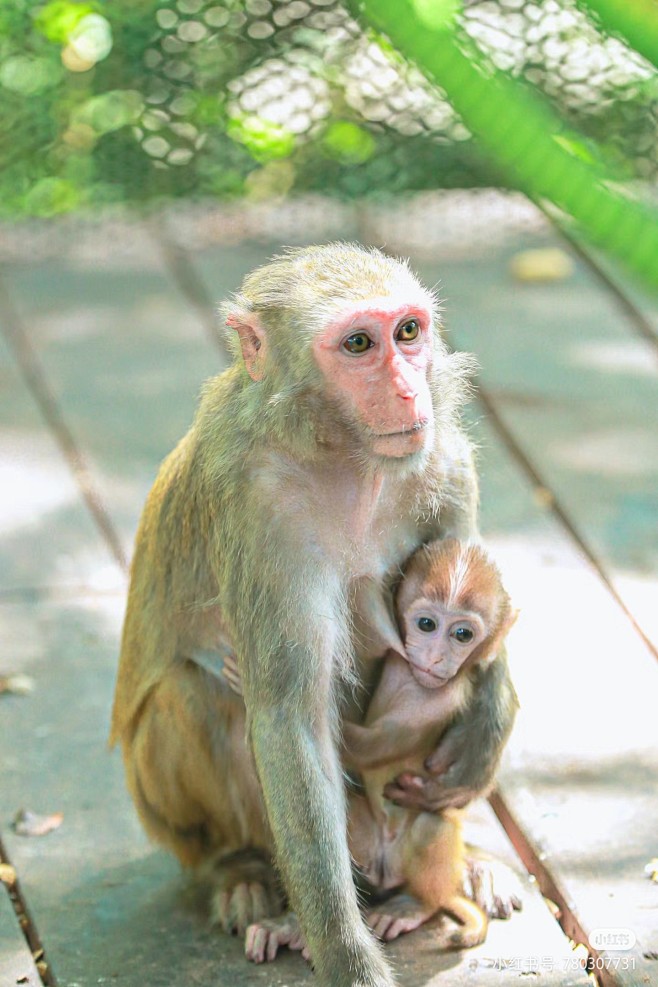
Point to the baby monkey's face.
(439, 641)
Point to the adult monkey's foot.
(244, 890)
(265, 938)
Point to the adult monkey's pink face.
(375, 357)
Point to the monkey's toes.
(401, 926)
(236, 909)
(504, 907)
(264, 939)
(261, 944)
(493, 887)
(379, 924)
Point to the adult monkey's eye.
(358, 342)
(462, 634)
(426, 624)
(408, 331)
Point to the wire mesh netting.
(142, 101)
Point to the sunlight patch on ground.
(21, 639)
(628, 356)
(642, 591)
(91, 568)
(153, 313)
(33, 482)
(606, 812)
(76, 322)
(586, 682)
(614, 452)
(108, 605)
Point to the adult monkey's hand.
(464, 763)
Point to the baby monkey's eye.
(358, 342)
(426, 624)
(462, 634)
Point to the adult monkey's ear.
(252, 342)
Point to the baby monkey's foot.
(264, 938)
(397, 915)
(493, 886)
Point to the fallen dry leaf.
(17, 685)
(651, 870)
(7, 874)
(28, 823)
(543, 497)
(542, 265)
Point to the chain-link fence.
(140, 102)
(133, 101)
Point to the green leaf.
(110, 111)
(348, 143)
(57, 20)
(265, 141)
(518, 128)
(27, 75)
(575, 147)
(51, 196)
(437, 14)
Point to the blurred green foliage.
(136, 101)
(524, 135)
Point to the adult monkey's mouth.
(417, 426)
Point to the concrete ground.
(107, 336)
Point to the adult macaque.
(324, 456)
(453, 614)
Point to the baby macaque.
(453, 615)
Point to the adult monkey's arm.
(464, 764)
(292, 726)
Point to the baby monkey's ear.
(511, 620)
(494, 643)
